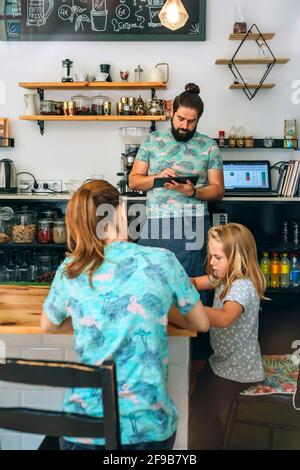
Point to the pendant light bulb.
(173, 15)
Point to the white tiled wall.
(60, 347)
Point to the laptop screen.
(247, 176)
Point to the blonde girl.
(233, 271)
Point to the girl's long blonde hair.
(86, 249)
(240, 249)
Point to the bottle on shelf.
(221, 138)
(295, 272)
(265, 267)
(275, 268)
(285, 271)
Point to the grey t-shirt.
(236, 353)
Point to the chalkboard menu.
(96, 20)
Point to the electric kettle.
(8, 176)
(157, 75)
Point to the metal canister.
(71, 108)
(66, 108)
(120, 108)
(131, 103)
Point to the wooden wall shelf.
(250, 37)
(40, 87)
(92, 118)
(266, 61)
(92, 85)
(241, 86)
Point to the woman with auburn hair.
(117, 294)
(233, 271)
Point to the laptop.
(248, 178)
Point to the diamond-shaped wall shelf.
(250, 89)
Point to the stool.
(279, 387)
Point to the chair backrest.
(63, 374)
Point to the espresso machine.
(127, 161)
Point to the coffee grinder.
(132, 138)
(127, 161)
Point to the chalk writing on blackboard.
(38, 12)
(95, 20)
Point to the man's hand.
(167, 173)
(184, 188)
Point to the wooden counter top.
(21, 306)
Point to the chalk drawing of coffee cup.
(98, 20)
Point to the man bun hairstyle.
(189, 99)
(192, 88)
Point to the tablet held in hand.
(159, 182)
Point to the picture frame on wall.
(96, 20)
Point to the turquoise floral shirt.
(195, 157)
(124, 317)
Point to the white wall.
(76, 150)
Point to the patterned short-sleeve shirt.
(236, 353)
(195, 157)
(124, 318)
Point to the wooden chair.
(54, 423)
(278, 389)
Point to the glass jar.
(138, 72)
(58, 108)
(43, 265)
(59, 232)
(5, 226)
(47, 107)
(45, 231)
(231, 137)
(24, 227)
(248, 141)
(82, 104)
(98, 105)
(240, 137)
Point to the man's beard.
(182, 136)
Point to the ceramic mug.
(124, 74)
(101, 77)
(81, 77)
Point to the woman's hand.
(185, 188)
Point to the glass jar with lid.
(24, 227)
(59, 232)
(43, 264)
(45, 231)
(58, 108)
(82, 104)
(98, 104)
(248, 141)
(5, 225)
